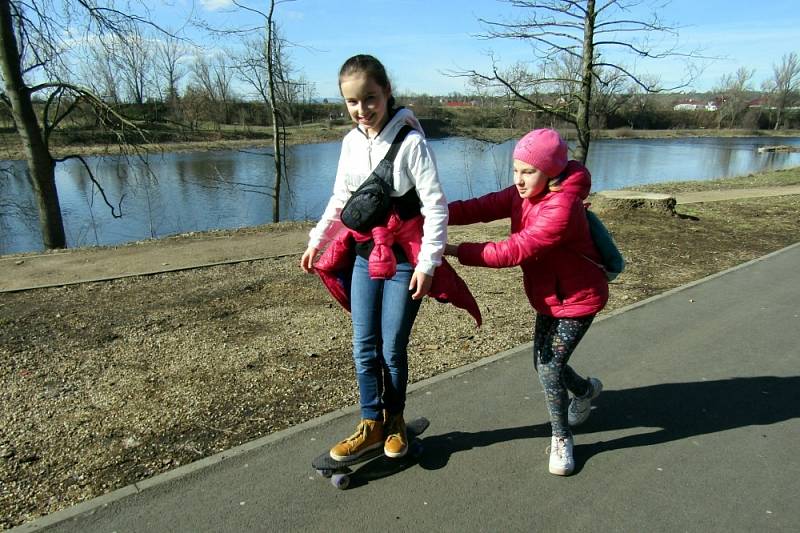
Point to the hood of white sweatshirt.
(402, 116)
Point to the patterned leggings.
(554, 340)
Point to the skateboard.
(339, 471)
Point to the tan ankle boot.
(368, 436)
(396, 444)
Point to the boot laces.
(361, 431)
(561, 447)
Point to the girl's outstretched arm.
(492, 206)
(547, 232)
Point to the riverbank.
(223, 138)
(504, 134)
(233, 138)
(111, 382)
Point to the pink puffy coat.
(549, 239)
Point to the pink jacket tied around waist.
(382, 262)
(335, 265)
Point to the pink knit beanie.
(544, 149)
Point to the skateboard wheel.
(340, 481)
(324, 473)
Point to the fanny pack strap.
(395, 147)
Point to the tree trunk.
(778, 119)
(40, 163)
(276, 139)
(622, 199)
(584, 103)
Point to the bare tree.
(278, 141)
(734, 90)
(638, 107)
(120, 68)
(34, 37)
(135, 64)
(169, 72)
(99, 73)
(252, 67)
(267, 69)
(784, 85)
(480, 89)
(306, 90)
(612, 90)
(214, 76)
(581, 30)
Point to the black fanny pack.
(370, 204)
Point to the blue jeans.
(383, 314)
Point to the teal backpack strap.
(612, 261)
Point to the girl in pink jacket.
(550, 241)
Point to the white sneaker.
(579, 408)
(561, 461)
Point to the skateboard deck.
(338, 471)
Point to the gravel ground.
(105, 384)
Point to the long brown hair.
(374, 69)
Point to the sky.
(421, 41)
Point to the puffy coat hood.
(578, 181)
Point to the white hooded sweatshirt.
(414, 167)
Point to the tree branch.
(114, 212)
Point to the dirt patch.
(105, 384)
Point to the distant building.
(761, 102)
(456, 103)
(692, 104)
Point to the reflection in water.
(228, 189)
(616, 164)
(19, 221)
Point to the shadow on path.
(678, 410)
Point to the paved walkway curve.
(735, 194)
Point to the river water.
(229, 189)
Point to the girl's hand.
(420, 284)
(451, 250)
(306, 262)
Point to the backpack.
(369, 205)
(612, 261)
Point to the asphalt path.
(697, 430)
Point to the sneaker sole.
(561, 471)
(342, 458)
